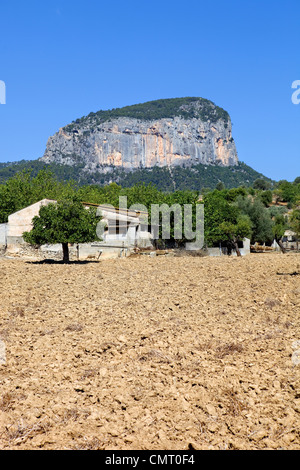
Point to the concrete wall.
(21, 221)
(103, 250)
(218, 252)
(246, 247)
(3, 232)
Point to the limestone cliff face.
(131, 143)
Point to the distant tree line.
(195, 177)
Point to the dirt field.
(151, 353)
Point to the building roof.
(289, 233)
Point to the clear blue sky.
(62, 59)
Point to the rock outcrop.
(184, 132)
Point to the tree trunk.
(233, 245)
(66, 257)
(236, 246)
(278, 240)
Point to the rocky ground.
(151, 353)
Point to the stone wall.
(3, 232)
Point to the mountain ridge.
(168, 132)
(174, 143)
(159, 109)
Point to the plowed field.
(158, 353)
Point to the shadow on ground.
(52, 261)
(295, 273)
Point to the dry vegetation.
(151, 353)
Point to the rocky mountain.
(163, 133)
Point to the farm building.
(124, 230)
(290, 240)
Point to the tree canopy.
(230, 213)
(66, 221)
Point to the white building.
(290, 240)
(124, 231)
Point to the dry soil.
(149, 353)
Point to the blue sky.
(62, 59)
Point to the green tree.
(266, 197)
(181, 200)
(297, 180)
(287, 192)
(66, 221)
(279, 227)
(295, 223)
(24, 189)
(217, 210)
(96, 194)
(234, 233)
(220, 186)
(260, 219)
(15, 194)
(262, 184)
(233, 193)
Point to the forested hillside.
(195, 177)
(187, 108)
